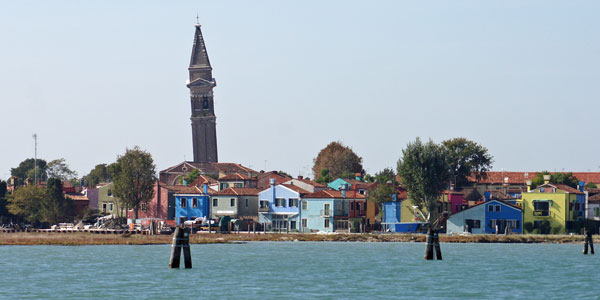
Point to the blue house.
(493, 216)
(191, 204)
(391, 219)
(331, 211)
(278, 206)
(351, 184)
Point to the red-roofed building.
(305, 184)
(334, 211)
(265, 177)
(237, 203)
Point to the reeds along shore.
(82, 238)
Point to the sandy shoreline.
(83, 238)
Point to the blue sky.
(94, 77)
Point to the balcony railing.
(326, 213)
(541, 213)
(264, 209)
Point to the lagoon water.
(301, 270)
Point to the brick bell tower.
(201, 84)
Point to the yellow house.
(557, 204)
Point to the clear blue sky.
(94, 77)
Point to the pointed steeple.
(199, 58)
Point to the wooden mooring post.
(429, 247)
(588, 241)
(181, 239)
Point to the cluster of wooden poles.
(433, 242)
(181, 241)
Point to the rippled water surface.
(300, 270)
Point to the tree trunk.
(135, 212)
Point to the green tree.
(383, 192)
(339, 160)
(55, 207)
(134, 178)
(190, 177)
(100, 173)
(386, 175)
(556, 178)
(425, 174)
(58, 168)
(323, 177)
(26, 170)
(4, 213)
(592, 185)
(466, 158)
(25, 202)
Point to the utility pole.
(35, 159)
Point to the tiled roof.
(360, 184)
(335, 194)
(238, 192)
(562, 187)
(594, 199)
(211, 168)
(296, 189)
(497, 177)
(235, 176)
(310, 182)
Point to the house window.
(326, 224)
(497, 208)
(597, 212)
(110, 206)
(304, 222)
(293, 202)
(246, 202)
(577, 206)
(541, 208)
(490, 208)
(144, 207)
(362, 192)
(263, 203)
(292, 224)
(473, 223)
(183, 202)
(109, 193)
(351, 205)
(194, 202)
(304, 205)
(232, 202)
(280, 202)
(215, 202)
(238, 185)
(104, 207)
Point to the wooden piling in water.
(175, 250)
(181, 240)
(429, 247)
(436, 245)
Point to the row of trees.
(133, 176)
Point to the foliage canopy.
(339, 160)
(425, 174)
(466, 158)
(134, 178)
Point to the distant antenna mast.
(35, 158)
(197, 19)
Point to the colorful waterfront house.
(108, 204)
(593, 211)
(392, 220)
(454, 199)
(552, 208)
(502, 195)
(494, 216)
(191, 204)
(278, 206)
(307, 185)
(236, 203)
(333, 211)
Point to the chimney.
(343, 188)
(205, 189)
(546, 179)
(580, 186)
(528, 182)
(300, 177)
(358, 176)
(272, 182)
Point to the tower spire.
(199, 58)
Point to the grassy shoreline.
(82, 238)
